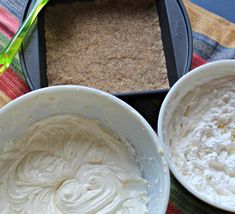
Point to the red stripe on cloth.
(197, 61)
(12, 84)
(9, 24)
(171, 209)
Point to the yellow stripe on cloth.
(3, 99)
(211, 25)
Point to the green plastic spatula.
(9, 52)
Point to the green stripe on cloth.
(3, 41)
(187, 203)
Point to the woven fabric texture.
(213, 39)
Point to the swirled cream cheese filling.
(69, 164)
(202, 142)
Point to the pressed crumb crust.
(113, 45)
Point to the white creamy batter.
(69, 164)
(202, 142)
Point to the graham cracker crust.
(112, 45)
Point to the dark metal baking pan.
(176, 36)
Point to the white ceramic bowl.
(187, 83)
(109, 110)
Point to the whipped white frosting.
(202, 139)
(69, 164)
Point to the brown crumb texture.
(113, 45)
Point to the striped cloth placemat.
(12, 82)
(213, 39)
(213, 36)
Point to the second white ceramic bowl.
(186, 84)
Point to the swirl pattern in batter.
(69, 164)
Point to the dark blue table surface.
(224, 8)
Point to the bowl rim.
(116, 100)
(163, 110)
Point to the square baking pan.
(176, 38)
